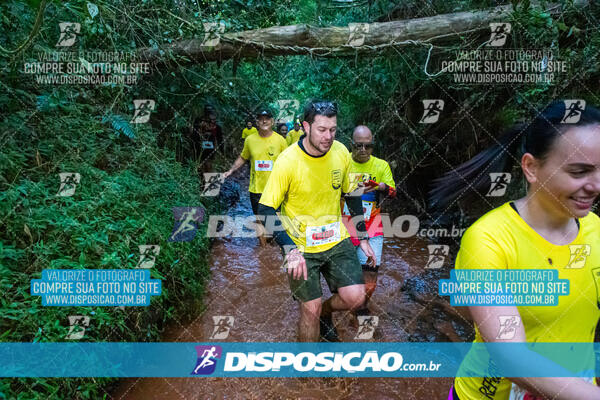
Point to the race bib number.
(207, 144)
(367, 209)
(263, 165)
(318, 235)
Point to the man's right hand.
(227, 173)
(296, 264)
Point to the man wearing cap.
(261, 150)
(294, 134)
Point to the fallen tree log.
(329, 41)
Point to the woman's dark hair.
(280, 125)
(536, 138)
(319, 107)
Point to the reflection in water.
(248, 284)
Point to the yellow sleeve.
(349, 182)
(246, 150)
(386, 175)
(480, 250)
(277, 185)
(244, 133)
(288, 139)
(284, 143)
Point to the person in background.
(249, 129)
(365, 167)
(294, 134)
(261, 150)
(282, 129)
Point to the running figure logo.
(357, 34)
(500, 181)
(68, 33)
(212, 183)
(500, 31)
(508, 326)
(432, 111)
(579, 253)
(222, 326)
(77, 325)
(287, 110)
(143, 108)
(437, 255)
(207, 359)
(573, 110)
(212, 33)
(366, 326)
(68, 183)
(148, 255)
(186, 223)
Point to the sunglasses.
(324, 106)
(366, 146)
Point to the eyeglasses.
(366, 146)
(324, 106)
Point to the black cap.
(264, 112)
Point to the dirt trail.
(248, 284)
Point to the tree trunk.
(329, 41)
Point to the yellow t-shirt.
(309, 191)
(502, 240)
(293, 136)
(262, 153)
(379, 171)
(247, 132)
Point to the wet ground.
(248, 284)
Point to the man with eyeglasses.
(307, 181)
(365, 167)
(261, 150)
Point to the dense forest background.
(133, 174)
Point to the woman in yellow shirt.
(552, 227)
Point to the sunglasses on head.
(324, 106)
(366, 146)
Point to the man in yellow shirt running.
(307, 182)
(293, 135)
(364, 168)
(261, 150)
